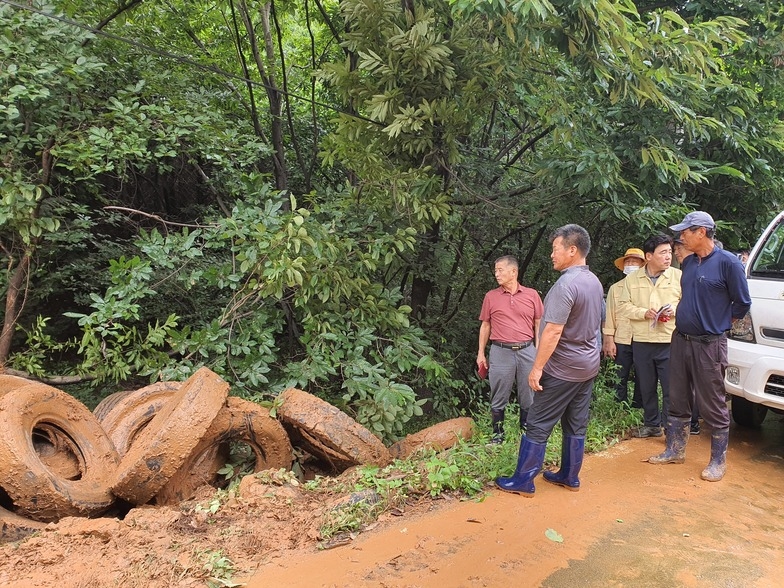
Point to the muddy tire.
(41, 493)
(57, 452)
(8, 383)
(131, 412)
(240, 421)
(327, 433)
(439, 437)
(166, 442)
(14, 527)
(108, 403)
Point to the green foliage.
(450, 132)
(359, 511)
(218, 568)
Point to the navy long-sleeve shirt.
(714, 291)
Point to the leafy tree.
(313, 193)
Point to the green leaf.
(553, 535)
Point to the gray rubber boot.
(718, 462)
(676, 435)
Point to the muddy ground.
(631, 524)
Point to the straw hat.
(631, 252)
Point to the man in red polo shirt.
(510, 318)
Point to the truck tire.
(8, 383)
(747, 414)
(57, 452)
(240, 421)
(328, 433)
(108, 403)
(163, 446)
(41, 493)
(438, 437)
(133, 410)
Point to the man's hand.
(533, 379)
(608, 347)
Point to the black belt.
(514, 346)
(700, 338)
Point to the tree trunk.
(422, 286)
(14, 302)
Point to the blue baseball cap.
(697, 218)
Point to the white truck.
(755, 347)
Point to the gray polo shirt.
(575, 301)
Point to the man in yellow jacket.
(649, 299)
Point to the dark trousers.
(568, 402)
(624, 359)
(651, 362)
(697, 375)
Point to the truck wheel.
(163, 446)
(747, 414)
(328, 433)
(133, 410)
(34, 411)
(439, 437)
(240, 421)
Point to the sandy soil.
(631, 524)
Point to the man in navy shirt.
(714, 293)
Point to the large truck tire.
(131, 412)
(108, 403)
(41, 493)
(240, 421)
(328, 433)
(8, 383)
(57, 452)
(438, 437)
(166, 442)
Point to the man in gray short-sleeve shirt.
(566, 363)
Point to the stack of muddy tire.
(160, 443)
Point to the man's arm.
(547, 344)
(484, 337)
(738, 288)
(537, 324)
(608, 327)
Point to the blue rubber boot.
(718, 461)
(529, 462)
(571, 461)
(676, 436)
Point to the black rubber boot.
(497, 417)
(523, 419)
(676, 435)
(529, 462)
(718, 462)
(572, 454)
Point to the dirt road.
(631, 524)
